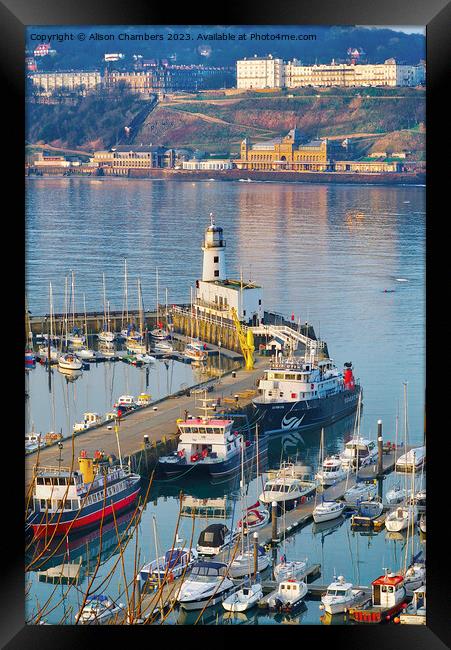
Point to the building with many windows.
(121, 159)
(260, 72)
(74, 80)
(265, 73)
(286, 153)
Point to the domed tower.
(214, 267)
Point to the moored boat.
(69, 361)
(289, 596)
(362, 491)
(207, 584)
(213, 539)
(415, 612)
(174, 563)
(412, 460)
(340, 595)
(243, 564)
(331, 471)
(65, 500)
(388, 597)
(99, 608)
(327, 510)
(298, 393)
(244, 598)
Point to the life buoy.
(303, 499)
(171, 577)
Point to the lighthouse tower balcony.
(214, 266)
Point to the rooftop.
(233, 284)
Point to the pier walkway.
(158, 424)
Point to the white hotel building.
(258, 73)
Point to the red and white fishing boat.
(388, 597)
(65, 500)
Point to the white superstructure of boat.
(331, 471)
(286, 569)
(173, 564)
(340, 595)
(359, 451)
(289, 595)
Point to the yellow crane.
(246, 341)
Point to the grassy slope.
(182, 123)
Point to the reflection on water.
(325, 252)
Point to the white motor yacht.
(331, 471)
(359, 451)
(287, 490)
(86, 354)
(207, 584)
(327, 510)
(289, 595)
(243, 599)
(339, 596)
(106, 336)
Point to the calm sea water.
(325, 253)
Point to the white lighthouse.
(215, 293)
(214, 266)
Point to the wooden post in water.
(255, 553)
(274, 537)
(380, 464)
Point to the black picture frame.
(15, 15)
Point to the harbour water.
(325, 253)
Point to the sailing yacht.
(327, 510)
(243, 599)
(75, 338)
(134, 343)
(69, 361)
(106, 335)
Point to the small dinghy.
(339, 596)
(291, 569)
(99, 609)
(243, 599)
(289, 596)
